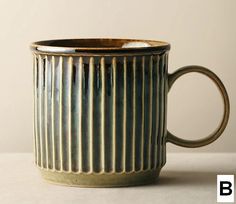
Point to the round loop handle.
(219, 130)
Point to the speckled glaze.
(100, 110)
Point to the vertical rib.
(46, 109)
(53, 114)
(134, 114)
(157, 112)
(40, 86)
(124, 114)
(150, 111)
(165, 109)
(70, 67)
(36, 149)
(114, 115)
(102, 133)
(142, 110)
(161, 109)
(61, 111)
(90, 129)
(80, 152)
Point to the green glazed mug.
(100, 110)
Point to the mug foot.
(101, 179)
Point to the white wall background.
(200, 32)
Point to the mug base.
(101, 179)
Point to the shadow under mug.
(100, 110)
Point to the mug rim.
(99, 45)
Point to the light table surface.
(186, 178)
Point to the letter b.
(225, 188)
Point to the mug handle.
(219, 130)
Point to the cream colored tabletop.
(186, 178)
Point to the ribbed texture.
(100, 114)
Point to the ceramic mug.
(100, 110)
